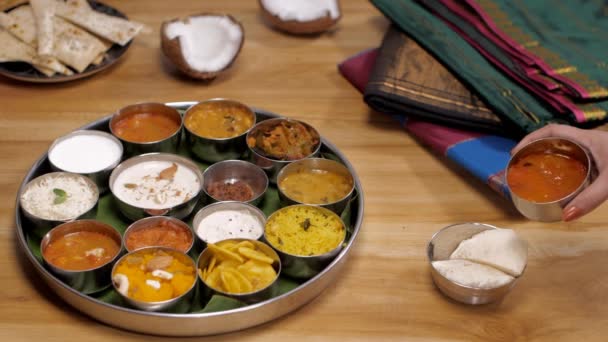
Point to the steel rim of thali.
(195, 324)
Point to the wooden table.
(385, 292)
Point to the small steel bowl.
(41, 223)
(134, 212)
(271, 165)
(217, 149)
(249, 297)
(552, 210)
(99, 176)
(232, 171)
(315, 164)
(169, 144)
(303, 266)
(203, 213)
(442, 245)
(90, 280)
(180, 303)
(154, 221)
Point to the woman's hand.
(596, 142)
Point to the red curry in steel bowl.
(545, 175)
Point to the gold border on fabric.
(480, 111)
(462, 58)
(556, 62)
(520, 106)
(592, 111)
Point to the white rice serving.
(40, 200)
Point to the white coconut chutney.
(228, 224)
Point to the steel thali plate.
(194, 324)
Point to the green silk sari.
(510, 94)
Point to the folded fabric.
(406, 79)
(484, 155)
(565, 39)
(513, 103)
(526, 70)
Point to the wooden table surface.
(384, 292)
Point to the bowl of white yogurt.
(87, 152)
(156, 184)
(228, 220)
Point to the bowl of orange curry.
(545, 175)
(159, 231)
(147, 127)
(81, 253)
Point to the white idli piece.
(44, 11)
(472, 274)
(499, 248)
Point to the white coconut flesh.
(208, 43)
(302, 10)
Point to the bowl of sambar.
(316, 181)
(216, 129)
(545, 175)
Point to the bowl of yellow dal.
(316, 181)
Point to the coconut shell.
(316, 26)
(172, 48)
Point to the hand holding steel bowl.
(591, 152)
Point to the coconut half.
(301, 16)
(204, 45)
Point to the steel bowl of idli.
(476, 263)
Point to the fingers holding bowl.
(589, 199)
